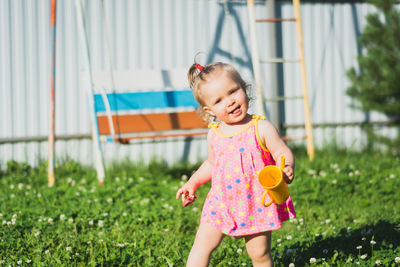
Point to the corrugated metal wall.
(134, 34)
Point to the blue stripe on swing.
(146, 100)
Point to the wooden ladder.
(257, 68)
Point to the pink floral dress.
(233, 204)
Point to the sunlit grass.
(347, 206)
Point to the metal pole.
(255, 58)
(95, 129)
(52, 93)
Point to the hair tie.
(199, 67)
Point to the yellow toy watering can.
(271, 178)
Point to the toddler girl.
(239, 146)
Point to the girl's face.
(224, 98)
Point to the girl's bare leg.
(259, 249)
(207, 239)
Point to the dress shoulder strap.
(213, 125)
(257, 117)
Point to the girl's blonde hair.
(198, 74)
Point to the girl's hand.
(186, 192)
(288, 174)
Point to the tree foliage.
(376, 86)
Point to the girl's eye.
(218, 101)
(234, 90)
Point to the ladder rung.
(275, 20)
(287, 138)
(282, 98)
(279, 60)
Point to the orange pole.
(307, 112)
(51, 176)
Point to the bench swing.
(141, 104)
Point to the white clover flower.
(47, 252)
(117, 179)
(100, 223)
(322, 174)
(20, 186)
(12, 195)
(334, 182)
(68, 248)
(359, 247)
(120, 245)
(105, 214)
(184, 177)
(50, 221)
(392, 176)
(109, 200)
(351, 174)
(89, 201)
(101, 240)
(1, 215)
(291, 264)
(164, 182)
(140, 219)
(9, 223)
(397, 259)
(364, 256)
(144, 201)
(141, 179)
(166, 230)
(289, 237)
(39, 195)
(244, 264)
(89, 242)
(327, 221)
(4, 222)
(311, 172)
(357, 172)
(70, 220)
(313, 260)
(195, 209)
(373, 242)
(28, 187)
(19, 262)
(124, 214)
(239, 251)
(28, 261)
(317, 234)
(62, 217)
(77, 194)
(37, 234)
(91, 222)
(11, 186)
(279, 240)
(378, 262)
(15, 216)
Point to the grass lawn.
(347, 205)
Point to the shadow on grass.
(345, 243)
